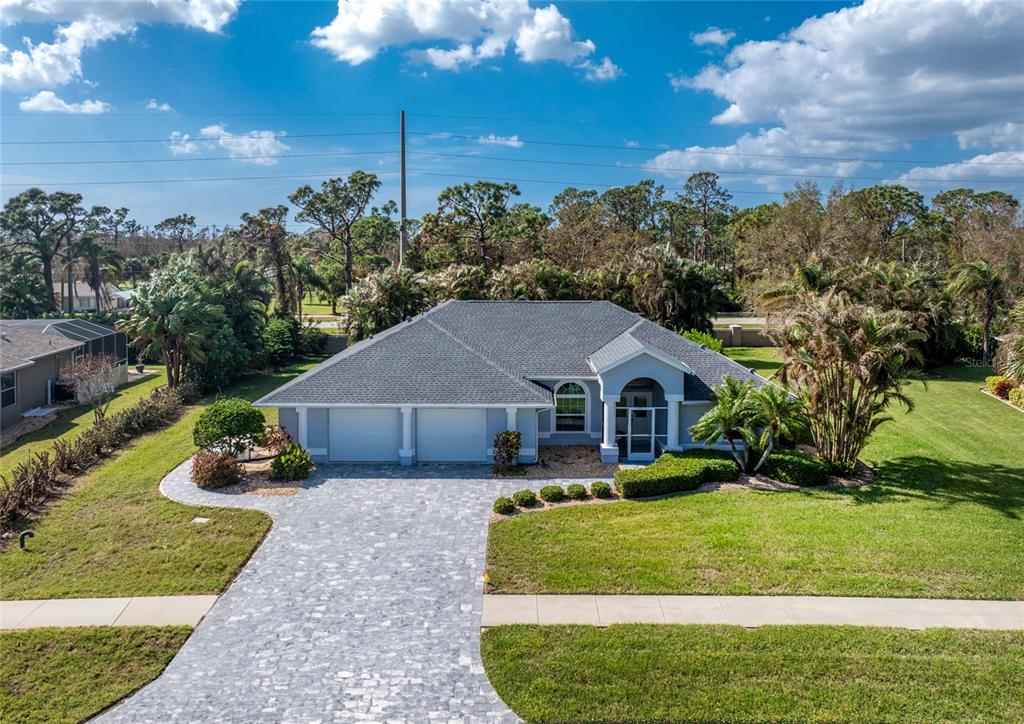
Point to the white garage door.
(451, 434)
(364, 434)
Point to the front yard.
(772, 673)
(114, 534)
(942, 520)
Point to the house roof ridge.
(345, 354)
(511, 374)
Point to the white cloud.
(493, 140)
(154, 105)
(862, 80)
(630, 143)
(712, 36)
(999, 135)
(605, 70)
(48, 102)
(473, 30)
(998, 166)
(182, 144)
(85, 24)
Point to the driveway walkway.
(363, 603)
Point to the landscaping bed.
(770, 673)
(72, 674)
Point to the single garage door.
(364, 434)
(451, 434)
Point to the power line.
(201, 158)
(689, 170)
(725, 153)
(184, 180)
(196, 140)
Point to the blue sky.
(594, 94)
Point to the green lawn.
(68, 675)
(72, 421)
(114, 534)
(943, 520)
(772, 673)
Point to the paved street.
(363, 603)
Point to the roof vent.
(703, 346)
(752, 371)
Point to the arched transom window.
(570, 408)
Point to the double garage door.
(374, 434)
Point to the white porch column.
(405, 454)
(510, 419)
(673, 401)
(609, 450)
(303, 427)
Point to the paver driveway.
(362, 604)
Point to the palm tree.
(1010, 357)
(726, 419)
(775, 414)
(99, 263)
(977, 283)
(848, 362)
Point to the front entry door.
(639, 427)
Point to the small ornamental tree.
(94, 379)
(506, 451)
(231, 424)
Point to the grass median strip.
(728, 673)
(68, 675)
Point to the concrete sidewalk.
(135, 611)
(749, 611)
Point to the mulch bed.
(569, 461)
(256, 480)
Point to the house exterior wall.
(688, 416)
(545, 419)
(31, 386)
(615, 379)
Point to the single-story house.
(35, 352)
(441, 385)
(83, 297)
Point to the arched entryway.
(641, 420)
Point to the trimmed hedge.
(215, 469)
(576, 491)
(795, 468)
(676, 472)
(552, 493)
(525, 498)
(1017, 397)
(600, 490)
(504, 506)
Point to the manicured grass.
(772, 673)
(114, 534)
(942, 521)
(68, 675)
(763, 360)
(73, 421)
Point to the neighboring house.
(439, 386)
(35, 352)
(83, 298)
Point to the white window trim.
(586, 408)
(14, 386)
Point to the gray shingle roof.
(481, 353)
(21, 343)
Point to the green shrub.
(280, 340)
(506, 451)
(992, 381)
(232, 424)
(215, 469)
(1017, 397)
(292, 463)
(1003, 387)
(600, 490)
(659, 479)
(576, 492)
(795, 468)
(552, 493)
(524, 498)
(312, 341)
(504, 506)
(708, 340)
(719, 466)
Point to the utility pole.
(402, 233)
